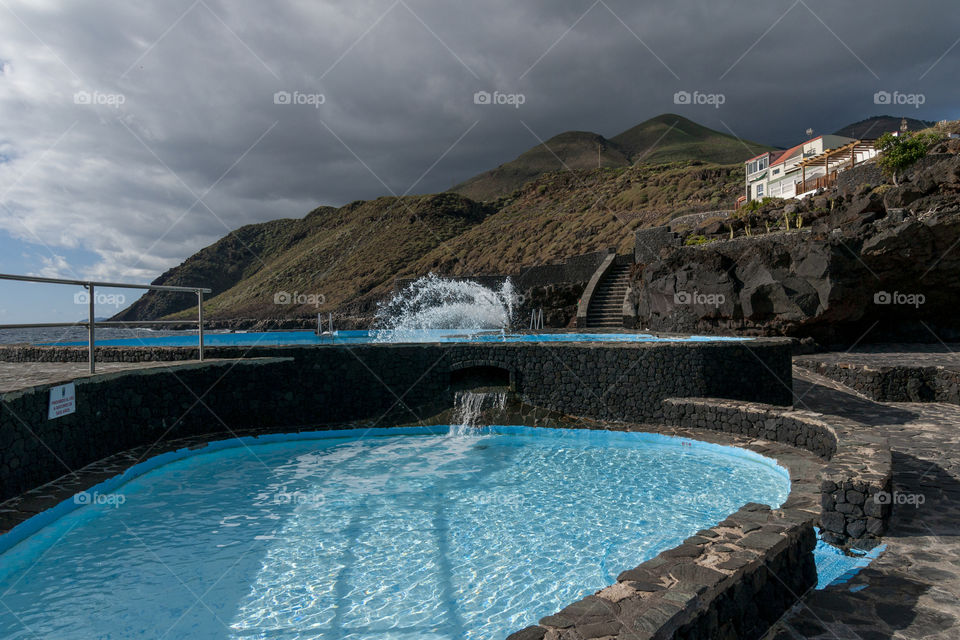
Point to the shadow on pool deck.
(811, 396)
(913, 589)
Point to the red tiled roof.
(786, 154)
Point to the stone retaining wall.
(576, 269)
(893, 383)
(855, 486)
(385, 384)
(869, 173)
(649, 242)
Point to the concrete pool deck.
(20, 375)
(912, 591)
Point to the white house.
(804, 168)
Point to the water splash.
(433, 303)
(468, 408)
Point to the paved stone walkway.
(893, 355)
(19, 375)
(913, 589)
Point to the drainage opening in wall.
(481, 377)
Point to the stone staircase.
(606, 303)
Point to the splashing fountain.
(432, 303)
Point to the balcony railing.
(92, 323)
(820, 182)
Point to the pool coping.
(110, 353)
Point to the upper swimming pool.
(274, 338)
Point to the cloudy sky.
(133, 134)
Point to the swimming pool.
(273, 338)
(390, 533)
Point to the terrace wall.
(855, 487)
(892, 383)
(576, 269)
(385, 385)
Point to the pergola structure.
(833, 161)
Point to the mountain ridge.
(665, 138)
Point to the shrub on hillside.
(897, 153)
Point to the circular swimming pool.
(402, 533)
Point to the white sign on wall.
(63, 401)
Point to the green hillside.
(336, 255)
(570, 150)
(673, 138)
(666, 138)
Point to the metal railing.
(536, 319)
(92, 323)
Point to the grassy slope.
(564, 214)
(345, 254)
(570, 150)
(672, 138)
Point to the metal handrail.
(92, 323)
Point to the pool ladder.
(536, 319)
(320, 323)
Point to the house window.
(760, 190)
(776, 172)
(757, 165)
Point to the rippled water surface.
(371, 536)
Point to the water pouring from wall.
(468, 409)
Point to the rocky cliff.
(864, 261)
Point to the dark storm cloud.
(180, 137)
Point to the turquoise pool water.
(397, 534)
(271, 338)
